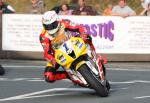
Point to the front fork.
(100, 68)
(92, 55)
(99, 71)
(76, 77)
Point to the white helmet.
(50, 22)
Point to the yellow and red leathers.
(51, 74)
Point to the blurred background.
(20, 5)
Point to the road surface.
(24, 83)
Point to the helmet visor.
(50, 26)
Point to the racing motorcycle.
(75, 57)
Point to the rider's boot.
(51, 75)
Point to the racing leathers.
(48, 42)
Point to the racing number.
(65, 46)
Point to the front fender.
(79, 64)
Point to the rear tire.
(93, 81)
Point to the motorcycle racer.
(51, 36)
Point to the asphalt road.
(24, 83)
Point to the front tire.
(93, 81)
(107, 85)
(104, 69)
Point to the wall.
(39, 55)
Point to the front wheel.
(93, 81)
(107, 85)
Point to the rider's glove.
(86, 37)
(51, 59)
(89, 38)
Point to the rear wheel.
(93, 80)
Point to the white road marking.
(31, 95)
(22, 79)
(42, 66)
(3, 79)
(118, 89)
(127, 69)
(66, 80)
(142, 97)
(131, 82)
(41, 96)
(23, 66)
(40, 80)
(44, 91)
(19, 79)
